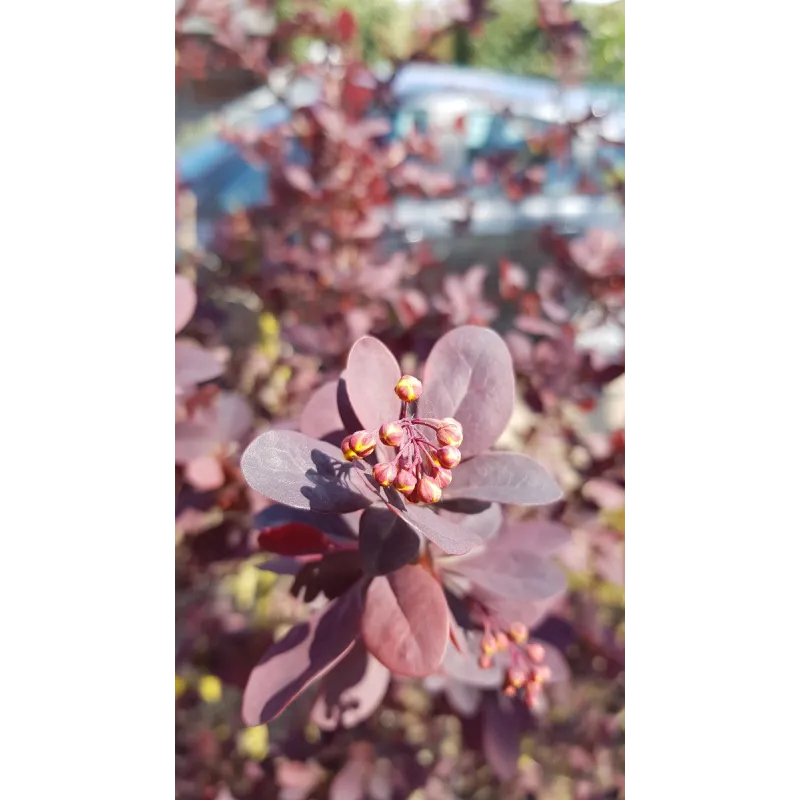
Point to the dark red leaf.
(405, 621)
(351, 691)
(385, 541)
(511, 478)
(308, 651)
(298, 471)
(294, 539)
(469, 376)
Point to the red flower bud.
(516, 677)
(408, 389)
(391, 434)
(509, 690)
(489, 644)
(485, 661)
(384, 473)
(502, 642)
(405, 481)
(450, 435)
(518, 633)
(535, 652)
(442, 477)
(449, 457)
(363, 443)
(428, 490)
(531, 695)
(347, 450)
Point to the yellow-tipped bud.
(384, 473)
(405, 481)
(347, 450)
(408, 389)
(363, 443)
(391, 434)
(449, 457)
(428, 490)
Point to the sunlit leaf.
(469, 376)
(405, 621)
(306, 652)
(293, 469)
(512, 478)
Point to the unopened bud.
(428, 490)
(408, 389)
(489, 644)
(516, 677)
(443, 477)
(502, 642)
(509, 690)
(535, 652)
(518, 633)
(405, 481)
(531, 695)
(391, 434)
(450, 435)
(384, 474)
(485, 661)
(543, 674)
(347, 450)
(363, 443)
(449, 456)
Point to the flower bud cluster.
(420, 469)
(527, 672)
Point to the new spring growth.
(422, 465)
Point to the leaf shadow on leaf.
(331, 478)
(385, 541)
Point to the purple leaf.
(484, 524)
(511, 478)
(185, 302)
(554, 660)
(320, 418)
(469, 376)
(385, 541)
(541, 537)
(307, 651)
(405, 621)
(529, 612)
(294, 539)
(293, 469)
(345, 408)
(194, 364)
(453, 539)
(515, 575)
(193, 439)
(502, 734)
(351, 691)
(371, 375)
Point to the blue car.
(434, 97)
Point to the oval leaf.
(513, 575)
(351, 691)
(298, 471)
(469, 376)
(371, 375)
(405, 621)
(320, 418)
(294, 539)
(385, 541)
(511, 478)
(453, 539)
(307, 651)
